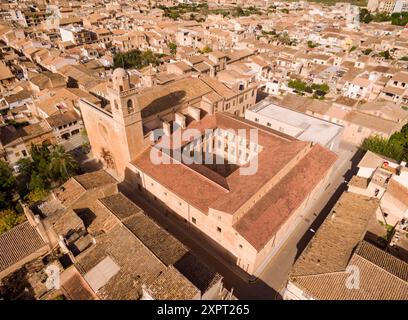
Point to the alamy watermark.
(53, 277)
(353, 280)
(212, 147)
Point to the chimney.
(194, 113)
(166, 128)
(180, 120)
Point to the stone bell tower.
(126, 139)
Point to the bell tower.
(126, 115)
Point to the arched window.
(130, 106)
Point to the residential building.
(77, 35)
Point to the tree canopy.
(47, 167)
(173, 48)
(135, 59)
(7, 182)
(396, 147)
(396, 18)
(318, 90)
(9, 219)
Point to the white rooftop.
(310, 128)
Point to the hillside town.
(203, 150)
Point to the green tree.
(36, 195)
(7, 184)
(206, 49)
(26, 166)
(385, 54)
(284, 38)
(38, 180)
(319, 94)
(297, 85)
(9, 219)
(135, 59)
(383, 146)
(381, 17)
(48, 166)
(368, 18)
(321, 87)
(308, 89)
(62, 165)
(310, 44)
(365, 16)
(239, 11)
(173, 48)
(6, 176)
(367, 51)
(399, 18)
(40, 155)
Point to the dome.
(119, 73)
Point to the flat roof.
(312, 129)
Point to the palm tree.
(62, 165)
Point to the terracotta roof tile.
(171, 285)
(330, 249)
(269, 213)
(18, 243)
(375, 284)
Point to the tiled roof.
(398, 191)
(61, 118)
(159, 98)
(197, 272)
(75, 287)
(18, 243)
(5, 72)
(268, 214)
(121, 206)
(383, 259)
(201, 191)
(95, 179)
(162, 244)
(330, 249)
(373, 122)
(171, 285)
(167, 248)
(9, 134)
(359, 182)
(69, 192)
(375, 283)
(137, 264)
